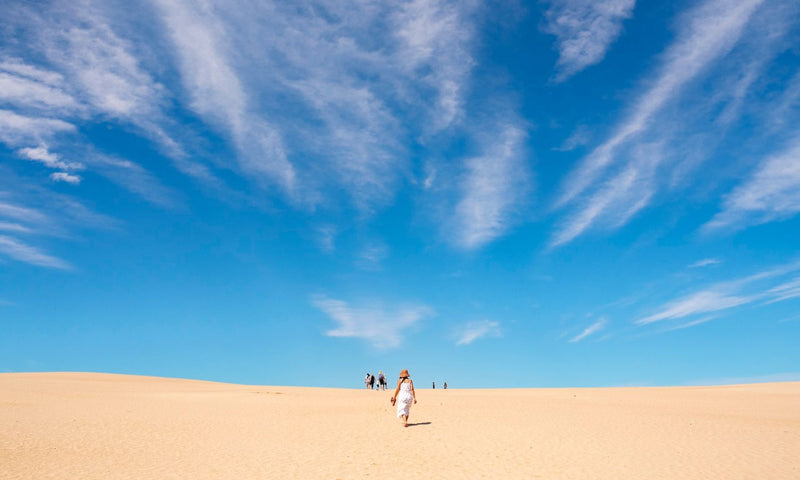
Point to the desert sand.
(99, 426)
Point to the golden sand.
(97, 426)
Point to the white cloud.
(218, 94)
(88, 72)
(780, 113)
(49, 159)
(758, 287)
(579, 137)
(309, 98)
(109, 76)
(590, 330)
(712, 30)
(435, 36)
(22, 252)
(692, 323)
(31, 93)
(319, 100)
(474, 330)
(24, 214)
(785, 291)
(706, 301)
(617, 199)
(364, 157)
(584, 30)
(134, 178)
(14, 227)
(65, 177)
(16, 129)
(372, 255)
(326, 238)
(430, 177)
(492, 190)
(22, 70)
(381, 327)
(772, 192)
(705, 263)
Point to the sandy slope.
(93, 426)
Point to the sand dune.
(96, 426)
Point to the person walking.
(404, 395)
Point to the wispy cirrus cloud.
(29, 212)
(347, 82)
(602, 188)
(706, 301)
(372, 255)
(706, 262)
(771, 192)
(49, 159)
(784, 291)
(435, 36)
(493, 189)
(71, 67)
(14, 227)
(692, 323)
(761, 288)
(18, 130)
(579, 137)
(584, 31)
(24, 85)
(381, 326)
(22, 213)
(202, 43)
(86, 71)
(133, 177)
(23, 252)
(473, 331)
(65, 177)
(597, 326)
(700, 44)
(310, 103)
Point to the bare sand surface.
(98, 426)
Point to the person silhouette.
(404, 395)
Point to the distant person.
(381, 381)
(366, 380)
(403, 396)
(445, 385)
(372, 382)
(434, 385)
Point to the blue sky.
(496, 194)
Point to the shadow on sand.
(418, 424)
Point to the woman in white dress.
(403, 396)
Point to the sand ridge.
(93, 426)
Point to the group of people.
(372, 383)
(379, 383)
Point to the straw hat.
(404, 373)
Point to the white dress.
(404, 399)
